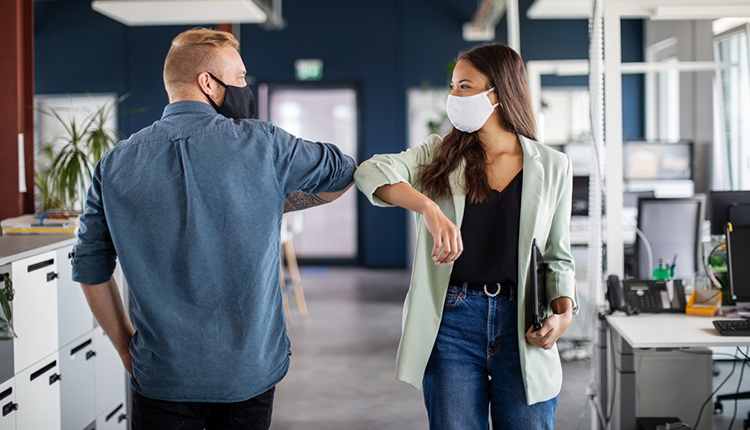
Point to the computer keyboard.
(733, 327)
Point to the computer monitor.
(672, 228)
(738, 256)
(580, 204)
(722, 204)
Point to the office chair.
(672, 228)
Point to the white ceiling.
(180, 12)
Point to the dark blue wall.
(385, 47)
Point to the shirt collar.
(187, 106)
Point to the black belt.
(492, 289)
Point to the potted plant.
(6, 296)
(63, 177)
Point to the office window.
(663, 94)
(732, 157)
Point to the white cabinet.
(8, 405)
(110, 373)
(34, 308)
(62, 372)
(77, 361)
(74, 316)
(115, 418)
(38, 395)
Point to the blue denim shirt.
(192, 206)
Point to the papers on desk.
(34, 224)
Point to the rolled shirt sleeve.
(311, 167)
(94, 258)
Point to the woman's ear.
(493, 96)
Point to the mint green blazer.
(545, 215)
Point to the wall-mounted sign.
(308, 70)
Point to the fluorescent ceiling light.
(560, 9)
(653, 9)
(708, 11)
(180, 12)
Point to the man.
(192, 206)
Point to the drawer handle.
(80, 347)
(40, 265)
(43, 370)
(54, 378)
(10, 407)
(90, 355)
(114, 412)
(51, 276)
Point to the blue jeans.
(474, 370)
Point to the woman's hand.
(554, 326)
(445, 234)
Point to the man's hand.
(106, 305)
(554, 326)
(126, 360)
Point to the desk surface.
(672, 331)
(14, 247)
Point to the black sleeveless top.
(489, 231)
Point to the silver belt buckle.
(492, 294)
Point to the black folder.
(538, 286)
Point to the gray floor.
(342, 374)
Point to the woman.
(481, 196)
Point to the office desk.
(623, 334)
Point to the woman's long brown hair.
(506, 72)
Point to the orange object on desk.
(706, 303)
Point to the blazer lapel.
(531, 194)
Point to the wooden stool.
(288, 253)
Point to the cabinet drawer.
(74, 316)
(115, 418)
(38, 395)
(8, 405)
(110, 373)
(34, 309)
(77, 385)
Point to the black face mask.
(239, 102)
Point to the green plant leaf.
(6, 295)
(6, 330)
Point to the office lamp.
(673, 229)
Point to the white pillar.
(613, 140)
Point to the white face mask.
(469, 114)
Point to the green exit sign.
(308, 70)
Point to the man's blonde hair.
(193, 52)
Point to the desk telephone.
(645, 295)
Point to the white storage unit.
(110, 377)
(115, 418)
(74, 317)
(38, 395)
(34, 308)
(77, 399)
(8, 405)
(61, 372)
